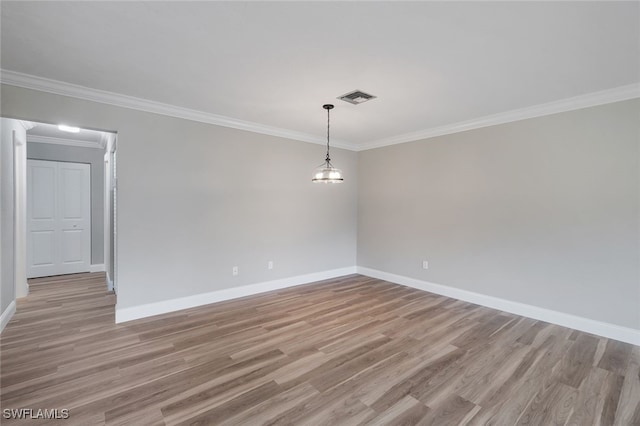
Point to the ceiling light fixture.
(69, 129)
(326, 173)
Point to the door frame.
(109, 215)
(20, 211)
(20, 190)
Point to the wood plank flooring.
(354, 350)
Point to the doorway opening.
(64, 186)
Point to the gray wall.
(94, 157)
(542, 211)
(194, 200)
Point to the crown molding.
(62, 141)
(616, 94)
(27, 81)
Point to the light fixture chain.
(326, 172)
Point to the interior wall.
(94, 157)
(194, 200)
(542, 211)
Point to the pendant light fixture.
(326, 173)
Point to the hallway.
(64, 320)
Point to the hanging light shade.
(326, 173)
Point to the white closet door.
(58, 218)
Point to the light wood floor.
(347, 351)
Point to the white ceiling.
(431, 64)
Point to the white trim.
(18, 141)
(42, 84)
(111, 142)
(27, 125)
(157, 308)
(20, 210)
(608, 96)
(104, 140)
(602, 97)
(7, 315)
(599, 328)
(96, 267)
(63, 141)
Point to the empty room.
(320, 213)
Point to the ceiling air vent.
(356, 97)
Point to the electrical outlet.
(425, 264)
(270, 264)
(235, 271)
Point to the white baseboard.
(7, 315)
(96, 268)
(612, 331)
(143, 311)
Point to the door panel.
(43, 248)
(70, 192)
(43, 178)
(41, 218)
(72, 246)
(58, 218)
